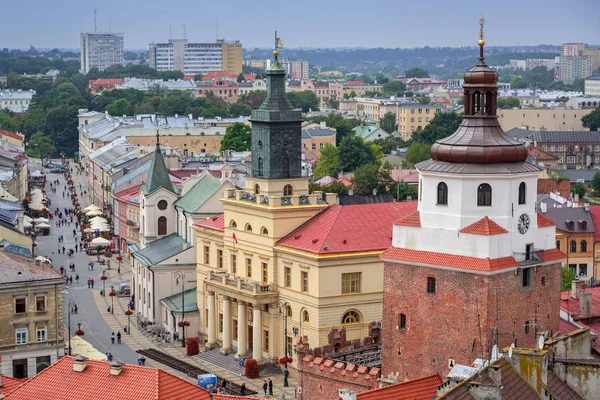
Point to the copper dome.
(481, 74)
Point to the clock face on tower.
(523, 223)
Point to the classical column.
(226, 349)
(212, 329)
(241, 330)
(257, 335)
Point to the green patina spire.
(158, 175)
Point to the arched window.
(305, 317)
(162, 226)
(256, 189)
(233, 224)
(351, 317)
(484, 195)
(573, 246)
(442, 194)
(264, 231)
(288, 190)
(289, 311)
(583, 246)
(248, 228)
(402, 322)
(522, 193)
(285, 168)
(260, 167)
(526, 326)
(162, 205)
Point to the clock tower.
(476, 265)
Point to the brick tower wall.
(445, 325)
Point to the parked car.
(57, 170)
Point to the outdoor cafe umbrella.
(43, 225)
(92, 213)
(91, 207)
(99, 241)
(41, 219)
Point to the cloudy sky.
(304, 23)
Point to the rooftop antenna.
(184, 32)
(95, 25)
(170, 32)
(110, 26)
(217, 29)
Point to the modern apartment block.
(196, 58)
(572, 68)
(592, 86)
(101, 50)
(571, 49)
(298, 69)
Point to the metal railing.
(529, 257)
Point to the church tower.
(476, 265)
(157, 214)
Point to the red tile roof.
(354, 83)
(217, 223)
(231, 397)
(595, 213)
(13, 135)
(413, 219)
(189, 77)
(128, 194)
(566, 327)
(552, 255)
(484, 226)
(347, 229)
(448, 260)
(417, 389)
(104, 82)
(544, 221)
(60, 382)
(249, 77)
(346, 182)
(9, 384)
(405, 175)
(567, 303)
(213, 75)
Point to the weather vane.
(278, 45)
(481, 24)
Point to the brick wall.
(550, 185)
(321, 378)
(458, 321)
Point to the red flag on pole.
(234, 238)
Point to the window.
(162, 205)
(234, 264)
(571, 159)
(544, 148)
(20, 305)
(431, 285)
(162, 226)
(304, 276)
(288, 190)
(321, 145)
(285, 169)
(21, 336)
(305, 317)
(266, 340)
(206, 317)
(265, 273)
(314, 146)
(289, 345)
(233, 224)
(573, 246)
(235, 329)
(561, 160)
(351, 317)
(20, 368)
(583, 269)
(287, 277)
(526, 278)
(442, 194)
(583, 246)
(526, 326)
(248, 228)
(543, 280)
(40, 333)
(260, 167)
(402, 322)
(522, 193)
(552, 148)
(206, 254)
(484, 195)
(560, 147)
(256, 189)
(264, 231)
(40, 303)
(220, 322)
(249, 267)
(219, 258)
(558, 244)
(351, 282)
(41, 363)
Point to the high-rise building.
(571, 49)
(196, 58)
(298, 69)
(594, 54)
(571, 68)
(101, 50)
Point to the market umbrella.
(41, 219)
(27, 218)
(93, 212)
(92, 207)
(99, 241)
(41, 258)
(26, 224)
(43, 225)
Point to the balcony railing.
(529, 257)
(237, 282)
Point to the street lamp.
(103, 278)
(181, 276)
(112, 295)
(128, 312)
(283, 309)
(70, 307)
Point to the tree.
(118, 108)
(61, 126)
(388, 122)
(416, 72)
(328, 163)
(40, 146)
(389, 143)
(592, 120)
(381, 78)
(507, 103)
(418, 152)
(596, 183)
(403, 190)
(423, 99)
(567, 276)
(579, 189)
(306, 100)
(237, 137)
(366, 178)
(355, 152)
(393, 88)
(443, 124)
(6, 122)
(253, 99)
(239, 109)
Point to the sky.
(304, 23)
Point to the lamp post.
(103, 278)
(70, 307)
(112, 295)
(181, 276)
(283, 307)
(128, 313)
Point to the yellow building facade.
(232, 57)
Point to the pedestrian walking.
(119, 337)
(112, 338)
(74, 233)
(63, 249)
(270, 387)
(140, 361)
(110, 357)
(265, 387)
(89, 283)
(92, 282)
(243, 389)
(71, 279)
(77, 278)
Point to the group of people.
(112, 337)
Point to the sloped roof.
(560, 390)
(158, 175)
(161, 249)
(13, 135)
(326, 180)
(132, 194)
(190, 301)
(539, 154)
(206, 186)
(16, 268)
(350, 228)
(416, 389)
(595, 213)
(413, 219)
(543, 221)
(60, 382)
(216, 223)
(484, 226)
(405, 175)
(9, 384)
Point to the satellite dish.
(494, 353)
(541, 342)
(510, 352)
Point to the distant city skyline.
(311, 23)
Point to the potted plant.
(192, 346)
(251, 368)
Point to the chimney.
(585, 304)
(116, 368)
(323, 124)
(79, 363)
(544, 207)
(495, 374)
(481, 391)
(375, 192)
(350, 192)
(577, 287)
(347, 394)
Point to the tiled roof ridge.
(49, 368)
(485, 226)
(544, 221)
(405, 383)
(343, 370)
(308, 221)
(413, 219)
(338, 212)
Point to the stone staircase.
(230, 363)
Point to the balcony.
(132, 223)
(529, 257)
(315, 198)
(240, 288)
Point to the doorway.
(20, 368)
(250, 337)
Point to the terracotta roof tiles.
(416, 389)
(595, 213)
(484, 226)
(543, 221)
(9, 384)
(216, 223)
(413, 219)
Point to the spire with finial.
(481, 42)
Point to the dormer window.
(570, 225)
(583, 225)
